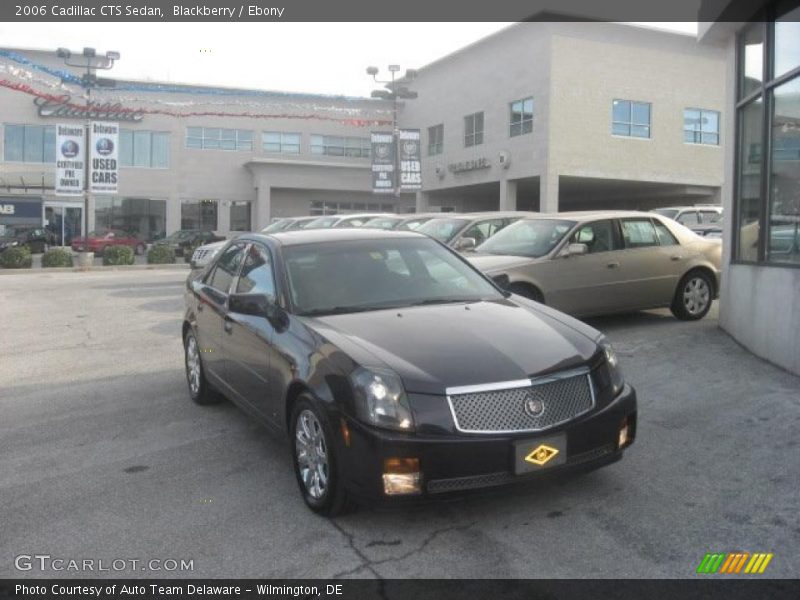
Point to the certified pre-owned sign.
(70, 158)
(104, 151)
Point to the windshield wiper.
(428, 301)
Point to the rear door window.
(639, 233)
(598, 236)
(665, 236)
(689, 218)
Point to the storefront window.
(29, 143)
(199, 214)
(240, 216)
(751, 57)
(749, 184)
(787, 42)
(784, 204)
(142, 217)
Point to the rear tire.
(316, 466)
(526, 291)
(693, 297)
(199, 389)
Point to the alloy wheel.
(311, 453)
(696, 295)
(193, 365)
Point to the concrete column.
(508, 195)
(173, 214)
(548, 192)
(263, 211)
(423, 202)
(90, 206)
(223, 217)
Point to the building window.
(334, 145)
(29, 143)
(435, 140)
(199, 214)
(473, 129)
(521, 121)
(767, 198)
(701, 126)
(630, 119)
(142, 217)
(240, 216)
(216, 138)
(283, 143)
(148, 149)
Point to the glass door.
(64, 222)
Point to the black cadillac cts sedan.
(396, 369)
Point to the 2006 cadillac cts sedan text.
(397, 370)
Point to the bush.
(16, 257)
(160, 255)
(57, 257)
(118, 255)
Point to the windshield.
(528, 237)
(413, 224)
(353, 276)
(442, 229)
(321, 223)
(382, 223)
(670, 213)
(277, 226)
(179, 235)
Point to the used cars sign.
(104, 165)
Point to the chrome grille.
(500, 408)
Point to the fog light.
(401, 476)
(623, 437)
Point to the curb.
(40, 270)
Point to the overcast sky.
(300, 57)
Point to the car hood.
(436, 347)
(498, 262)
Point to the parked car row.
(37, 239)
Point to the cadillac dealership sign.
(62, 106)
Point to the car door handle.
(676, 257)
(228, 326)
(612, 265)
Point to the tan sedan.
(591, 263)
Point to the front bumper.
(453, 464)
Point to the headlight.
(381, 399)
(614, 371)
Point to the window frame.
(24, 126)
(436, 147)
(282, 143)
(221, 139)
(271, 257)
(472, 135)
(700, 131)
(630, 124)
(764, 92)
(521, 123)
(151, 134)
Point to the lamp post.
(394, 91)
(91, 61)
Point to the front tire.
(199, 389)
(315, 461)
(693, 297)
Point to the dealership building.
(761, 192)
(539, 116)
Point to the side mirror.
(465, 243)
(575, 250)
(256, 305)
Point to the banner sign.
(62, 106)
(104, 152)
(383, 174)
(70, 157)
(410, 160)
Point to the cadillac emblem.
(533, 406)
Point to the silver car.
(592, 263)
(465, 231)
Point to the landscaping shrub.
(16, 257)
(160, 255)
(57, 257)
(118, 255)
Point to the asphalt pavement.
(104, 456)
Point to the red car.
(101, 239)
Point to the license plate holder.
(540, 454)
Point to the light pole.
(90, 61)
(393, 91)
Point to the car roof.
(585, 215)
(317, 236)
(695, 207)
